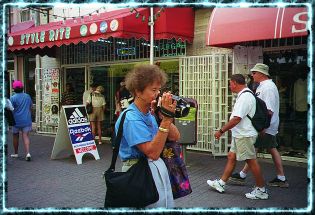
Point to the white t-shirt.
(268, 92)
(98, 100)
(86, 95)
(245, 104)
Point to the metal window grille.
(118, 49)
(276, 43)
(205, 78)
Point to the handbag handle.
(117, 143)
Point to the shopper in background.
(97, 116)
(8, 113)
(268, 92)
(141, 135)
(68, 97)
(88, 93)
(123, 98)
(22, 104)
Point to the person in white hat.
(268, 92)
(97, 116)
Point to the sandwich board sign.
(74, 134)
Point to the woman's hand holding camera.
(167, 105)
(167, 102)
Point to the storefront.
(101, 51)
(277, 37)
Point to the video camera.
(181, 110)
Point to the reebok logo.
(77, 117)
(80, 137)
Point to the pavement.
(54, 184)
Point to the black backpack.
(261, 119)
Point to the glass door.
(100, 76)
(76, 77)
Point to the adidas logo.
(77, 117)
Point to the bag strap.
(248, 91)
(91, 98)
(117, 143)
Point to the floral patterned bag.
(176, 169)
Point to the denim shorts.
(26, 129)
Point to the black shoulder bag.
(89, 106)
(134, 188)
(8, 114)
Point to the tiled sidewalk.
(61, 183)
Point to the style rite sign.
(39, 37)
(42, 34)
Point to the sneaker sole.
(256, 198)
(237, 181)
(286, 185)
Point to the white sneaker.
(216, 185)
(28, 157)
(14, 156)
(257, 194)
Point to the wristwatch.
(221, 131)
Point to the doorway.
(77, 78)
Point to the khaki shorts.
(266, 141)
(97, 115)
(243, 148)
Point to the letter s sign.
(296, 19)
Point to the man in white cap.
(268, 92)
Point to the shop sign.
(74, 131)
(172, 46)
(173, 49)
(39, 37)
(126, 51)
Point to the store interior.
(289, 71)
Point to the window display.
(289, 71)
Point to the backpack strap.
(117, 143)
(248, 91)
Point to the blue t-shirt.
(138, 128)
(22, 104)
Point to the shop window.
(29, 81)
(25, 15)
(288, 69)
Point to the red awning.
(22, 26)
(175, 23)
(228, 26)
(119, 23)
